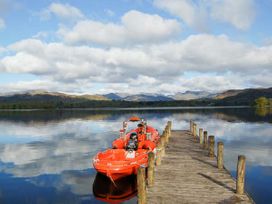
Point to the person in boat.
(132, 143)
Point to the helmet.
(133, 136)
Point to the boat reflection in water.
(121, 190)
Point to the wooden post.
(195, 126)
(151, 168)
(220, 155)
(191, 126)
(169, 123)
(200, 135)
(141, 185)
(163, 141)
(194, 129)
(166, 134)
(158, 156)
(162, 144)
(205, 141)
(240, 174)
(211, 146)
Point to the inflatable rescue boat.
(129, 151)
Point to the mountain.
(137, 97)
(146, 97)
(45, 99)
(113, 96)
(228, 93)
(243, 97)
(190, 95)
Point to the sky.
(135, 46)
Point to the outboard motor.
(132, 144)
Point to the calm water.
(45, 157)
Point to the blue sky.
(135, 46)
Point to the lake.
(46, 156)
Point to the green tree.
(270, 103)
(261, 102)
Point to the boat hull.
(115, 164)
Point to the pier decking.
(188, 175)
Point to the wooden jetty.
(186, 170)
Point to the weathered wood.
(211, 146)
(205, 140)
(166, 134)
(169, 123)
(151, 168)
(163, 139)
(194, 129)
(240, 174)
(201, 136)
(191, 126)
(158, 156)
(188, 175)
(220, 155)
(141, 186)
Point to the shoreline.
(129, 108)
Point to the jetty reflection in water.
(121, 190)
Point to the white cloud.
(64, 11)
(193, 14)
(2, 24)
(240, 13)
(136, 27)
(197, 14)
(162, 65)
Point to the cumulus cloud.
(135, 27)
(240, 13)
(192, 13)
(64, 11)
(161, 65)
(197, 14)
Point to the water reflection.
(47, 155)
(263, 111)
(118, 192)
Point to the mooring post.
(163, 147)
(211, 146)
(141, 186)
(205, 141)
(240, 174)
(151, 168)
(169, 123)
(194, 129)
(169, 127)
(167, 133)
(220, 155)
(158, 154)
(200, 135)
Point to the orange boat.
(129, 151)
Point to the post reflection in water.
(121, 190)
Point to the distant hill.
(138, 97)
(113, 96)
(145, 97)
(191, 95)
(228, 93)
(44, 99)
(243, 97)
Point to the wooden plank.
(188, 175)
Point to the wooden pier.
(186, 170)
